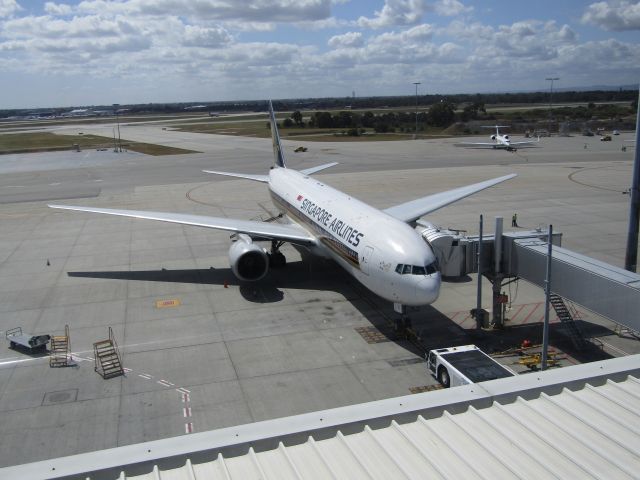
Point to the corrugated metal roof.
(591, 433)
(562, 428)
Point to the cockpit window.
(417, 269)
(432, 268)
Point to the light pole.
(551, 79)
(416, 134)
(116, 106)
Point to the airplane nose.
(428, 289)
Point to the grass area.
(47, 142)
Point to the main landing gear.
(276, 257)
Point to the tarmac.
(203, 351)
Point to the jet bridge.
(597, 286)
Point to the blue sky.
(94, 52)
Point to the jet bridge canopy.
(605, 289)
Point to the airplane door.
(365, 260)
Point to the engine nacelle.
(506, 137)
(493, 137)
(248, 261)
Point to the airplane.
(380, 248)
(499, 141)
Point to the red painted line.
(465, 320)
(186, 411)
(185, 398)
(513, 317)
(188, 427)
(454, 315)
(526, 319)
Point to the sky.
(100, 52)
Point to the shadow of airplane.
(314, 275)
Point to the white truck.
(456, 366)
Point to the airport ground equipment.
(107, 357)
(454, 366)
(15, 336)
(567, 314)
(60, 353)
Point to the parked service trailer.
(456, 366)
(16, 337)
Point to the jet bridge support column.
(497, 316)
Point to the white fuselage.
(502, 140)
(385, 254)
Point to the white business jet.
(379, 248)
(499, 141)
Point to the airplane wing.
(257, 230)
(523, 144)
(411, 211)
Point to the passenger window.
(407, 269)
(417, 270)
(399, 268)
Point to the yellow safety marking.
(174, 302)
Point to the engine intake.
(248, 261)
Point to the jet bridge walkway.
(604, 289)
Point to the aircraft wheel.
(443, 377)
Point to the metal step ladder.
(60, 353)
(107, 357)
(567, 316)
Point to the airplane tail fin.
(275, 137)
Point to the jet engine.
(248, 261)
(506, 137)
(493, 137)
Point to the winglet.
(275, 137)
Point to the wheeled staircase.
(60, 350)
(567, 316)
(107, 357)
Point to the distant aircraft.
(379, 248)
(499, 141)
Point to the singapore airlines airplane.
(379, 248)
(499, 141)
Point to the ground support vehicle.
(462, 365)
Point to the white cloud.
(58, 9)
(349, 39)
(245, 10)
(615, 15)
(196, 36)
(8, 7)
(396, 12)
(450, 8)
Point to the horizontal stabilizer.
(309, 171)
(247, 176)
